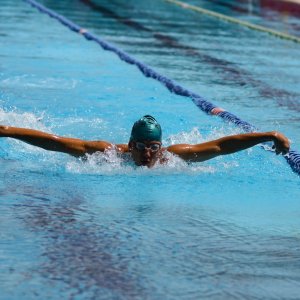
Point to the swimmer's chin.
(145, 163)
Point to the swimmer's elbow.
(90, 147)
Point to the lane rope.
(293, 157)
(235, 21)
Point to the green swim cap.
(146, 129)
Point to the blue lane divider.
(293, 157)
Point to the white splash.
(113, 163)
(192, 137)
(22, 119)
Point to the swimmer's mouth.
(145, 162)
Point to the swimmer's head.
(146, 129)
(145, 141)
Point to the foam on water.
(111, 163)
(13, 117)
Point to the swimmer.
(145, 143)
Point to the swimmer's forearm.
(18, 133)
(15, 132)
(40, 139)
(235, 143)
(52, 142)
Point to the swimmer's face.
(145, 153)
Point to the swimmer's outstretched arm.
(228, 145)
(75, 147)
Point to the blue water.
(103, 229)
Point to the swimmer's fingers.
(3, 130)
(281, 149)
(281, 144)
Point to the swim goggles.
(152, 147)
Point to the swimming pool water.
(250, 73)
(102, 229)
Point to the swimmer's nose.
(147, 153)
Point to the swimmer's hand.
(2, 130)
(281, 143)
